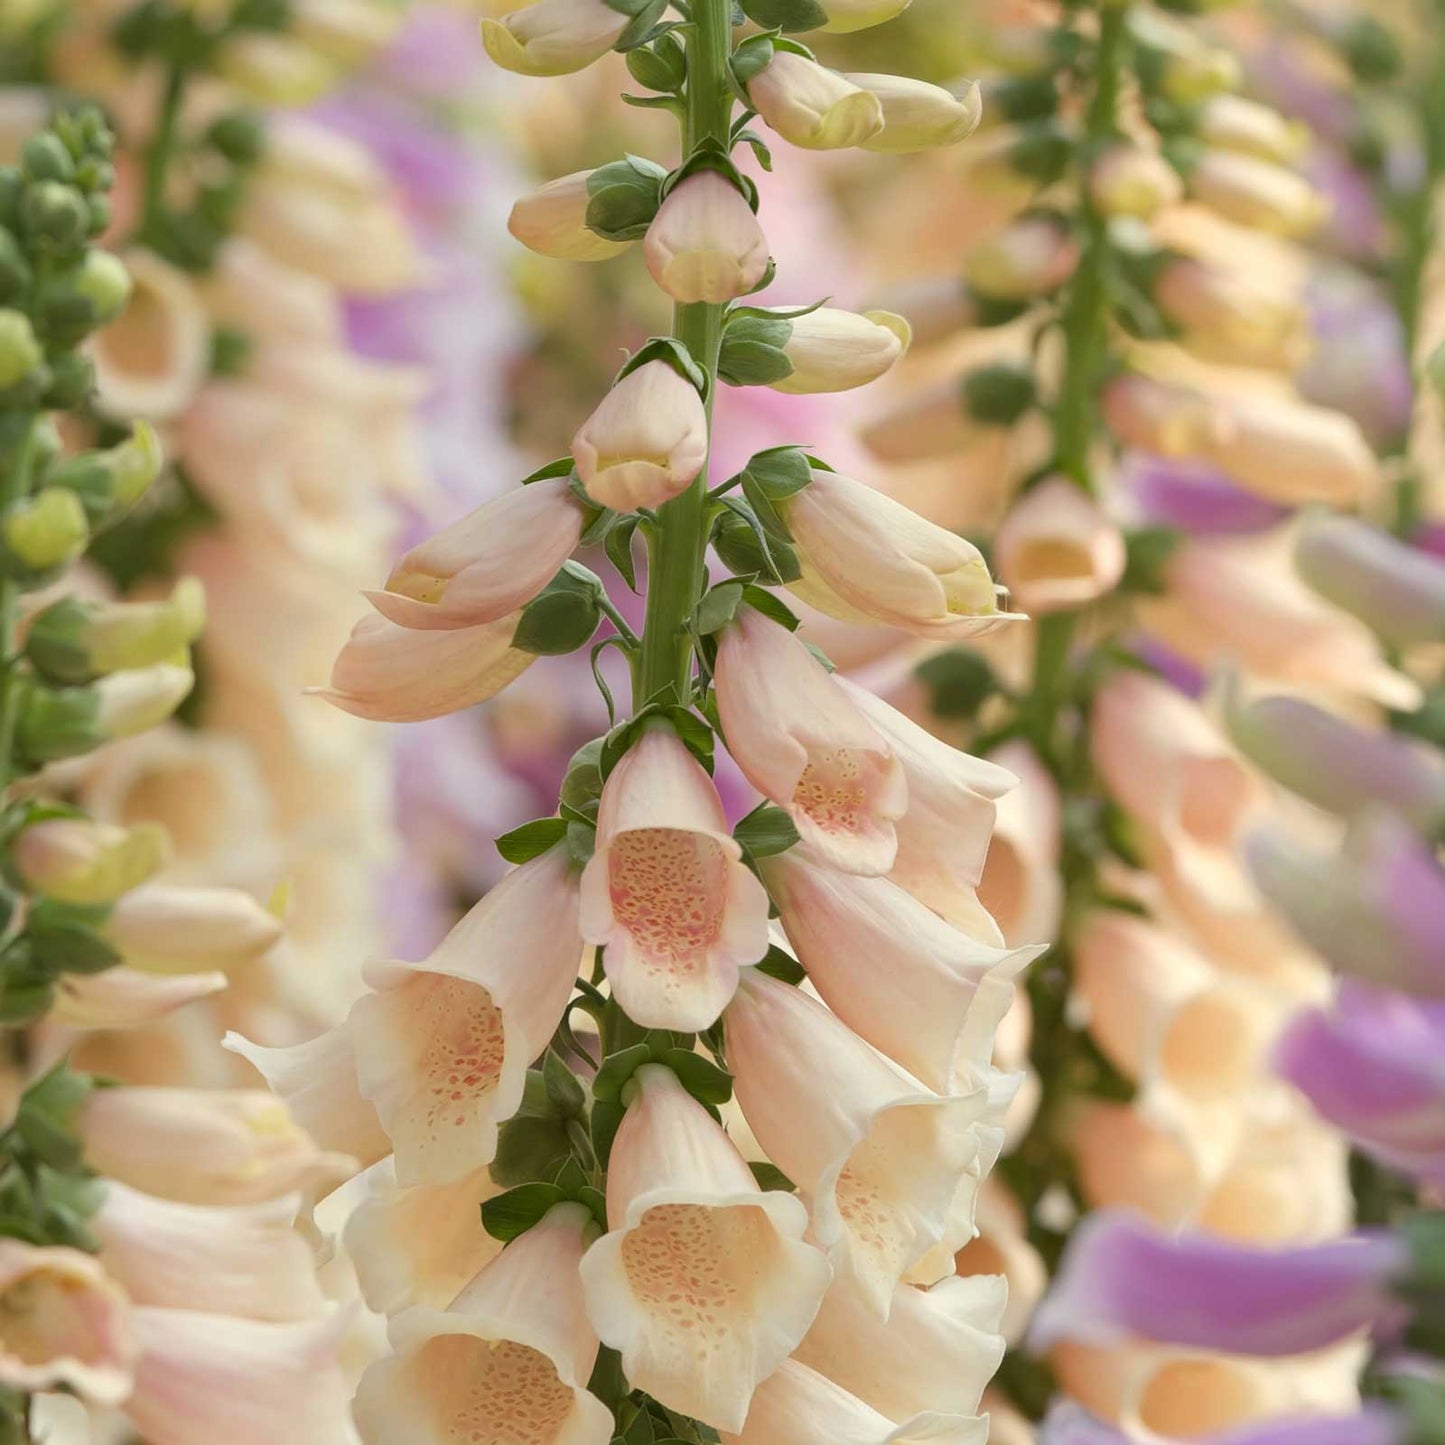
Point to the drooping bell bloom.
(705, 243)
(245, 1259)
(832, 350)
(232, 1381)
(918, 116)
(509, 1359)
(951, 796)
(552, 221)
(419, 1246)
(798, 1406)
(937, 1351)
(1022, 888)
(1256, 193)
(158, 928)
(919, 990)
(646, 441)
(1069, 1425)
(442, 1046)
(68, 1324)
(553, 37)
(1375, 910)
(1232, 315)
(704, 1284)
(1122, 1279)
(1374, 1066)
(868, 558)
(1127, 179)
(82, 861)
(489, 564)
(1057, 551)
(201, 1146)
(395, 674)
(1028, 258)
(122, 998)
(877, 1157)
(666, 892)
(812, 106)
(801, 743)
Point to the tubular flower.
(552, 221)
(487, 565)
(553, 37)
(705, 243)
(867, 558)
(1057, 551)
(1021, 887)
(919, 990)
(81, 861)
(122, 998)
(646, 441)
(509, 1359)
(877, 1157)
(918, 116)
(666, 893)
(1256, 193)
(812, 106)
(800, 742)
(161, 929)
(442, 1046)
(838, 350)
(704, 1284)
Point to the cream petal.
(123, 998)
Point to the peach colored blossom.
(705, 243)
(1057, 551)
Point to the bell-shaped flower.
(1067, 1424)
(1231, 314)
(68, 1324)
(553, 37)
(646, 441)
(798, 1406)
(868, 558)
(232, 1381)
(704, 1284)
(1030, 257)
(919, 990)
(242, 1259)
(1233, 123)
(802, 743)
(877, 1157)
(489, 564)
(666, 892)
(442, 1046)
(833, 350)
(1022, 888)
(937, 1350)
(159, 928)
(705, 243)
(1128, 179)
(122, 998)
(918, 116)
(419, 1246)
(552, 221)
(812, 106)
(951, 796)
(1056, 550)
(1256, 193)
(508, 1360)
(85, 862)
(394, 674)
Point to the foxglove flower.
(1057, 551)
(705, 243)
(158, 928)
(812, 106)
(918, 116)
(553, 37)
(834, 350)
(552, 221)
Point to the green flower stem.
(677, 543)
(161, 150)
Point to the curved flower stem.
(677, 543)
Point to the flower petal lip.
(812, 106)
(705, 243)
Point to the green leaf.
(623, 196)
(657, 68)
(786, 14)
(63, 939)
(564, 1090)
(531, 840)
(718, 607)
(564, 616)
(781, 966)
(643, 26)
(769, 1176)
(529, 1148)
(1149, 550)
(761, 600)
(745, 546)
(702, 1078)
(617, 1069)
(752, 57)
(766, 831)
(581, 842)
(512, 1214)
(562, 467)
(58, 1094)
(617, 543)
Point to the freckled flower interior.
(490, 1392)
(668, 889)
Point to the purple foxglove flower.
(1067, 1424)
(1375, 910)
(1374, 1066)
(1122, 1279)
(1193, 497)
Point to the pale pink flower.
(704, 1283)
(508, 1360)
(158, 928)
(68, 1324)
(1056, 550)
(122, 998)
(552, 221)
(83, 861)
(646, 441)
(1022, 888)
(489, 564)
(877, 1157)
(553, 37)
(811, 106)
(666, 892)
(802, 743)
(1025, 259)
(395, 674)
(705, 243)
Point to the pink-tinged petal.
(803, 744)
(123, 998)
(666, 892)
(1057, 550)
(161, 928)
(705, 243)
(397, 674)
(704, 1284)
(1022, 888)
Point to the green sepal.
(675, 354)
(582, 786)
(695, 734)
(562, 467)
(533, 1143)
(62, 939)
(752, 57)
(998, 395)
(660, 66)
(703, 1079)
(782, 966)
(762, 152)
(718, 607)
(1147, 552)
(959, 682)
(1041, 151)
(617, 543)
(712, 155)
(771, 1178)
(46, 1117)
(786, 14)
(747, 548)
(563, 616)
(623, 196)
(511, 1215)
(771, 606)
(753, 350)
(766, 832)
(646, 15)
(532, 839)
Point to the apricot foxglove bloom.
(812, 106)
(158, 928)
(918, 116)
(553, 37)
(1256, 193)
(1021, 888)
(508, 1359)
(705, 243)
(666, 893)
(122, 998)
(1056, 550)
(78, 860)
(877, 1157)
(645, 442)
(704, 1283)
(552, 221)
(800, 742)
(489, 564)
(832, 350)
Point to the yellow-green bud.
(45, 531)
(20, 353)
(73, 641)
(88, 863)
(137, 463)
(65, 722)
(104, 281)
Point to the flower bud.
(1132, 180)
(84, 862)
(162, 929)
(1230, 316)
(705, 243)
(1030, 257)
(812, 106)
(1256, 193)
(846, 16)
(20, 353)
(1234, 124)
(837, 350)
(276, 70)
(552, 221)
(918, 116)
(64, 722)
(73, 641)
(104, 281)
(43, 532)
(1057, 551)
(646, 441)
(553, 37)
